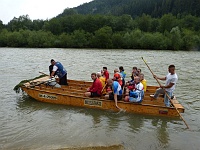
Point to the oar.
(104, 87)
(166, 93)
(43, 73)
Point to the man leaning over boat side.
(60, 71)
(96, 88)
(117, 92)
(169, 87)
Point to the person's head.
(93, 76)
(98, 74)
(121, 68)
(116, 70)
(171, 69)
(134, 69)
(104, 68)
(136, 79)
(139, 70)
(141, 76)
(109, 82)
(52, 61)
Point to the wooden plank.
(178, 106)
(175, 102)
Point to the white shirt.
(171, 79)
(139, 86)
(55, 68)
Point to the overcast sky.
(36, 9)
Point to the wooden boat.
(73, 94)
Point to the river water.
(27, 124)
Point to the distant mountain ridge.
(155, 8)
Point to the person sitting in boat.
(123, 75)
(139, 71)
(130, 83)
(60, 71)
(143, 81)
(117, 76)
(103, 82)
(171, 80)
(116, 93)
(96, 88)
(105, 73)
(134, 72)
(136, 95)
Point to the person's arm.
(173, 81)
(115, 98)
(52, 74)
(163, 78)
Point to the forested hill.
(155, 8)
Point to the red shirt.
(106, 74)
(96, 86)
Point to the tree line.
(169, 32)
(154, 8)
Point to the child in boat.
(123, 75)
(117, 77)
(136, 95)
(143, 81)
(105, 73)
(134, 72)
(139, 71)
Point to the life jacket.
(61, 70)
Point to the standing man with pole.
(166, 93)
(60, 71)
(169, 87)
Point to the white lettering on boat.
(46, 96)
(93, 102)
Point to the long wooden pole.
(43, 73)
(165, 93)
(104, 87)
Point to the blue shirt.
(123, 74)
(116, 88)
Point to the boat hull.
(62, 97)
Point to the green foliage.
(40, 39)
(154, 8)
(103, 38)
(17, 88)
(72, 30)
(176, 38)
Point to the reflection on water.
(28, 124)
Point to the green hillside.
(111, 24)
(154, 8)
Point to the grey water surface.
(28, 124)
